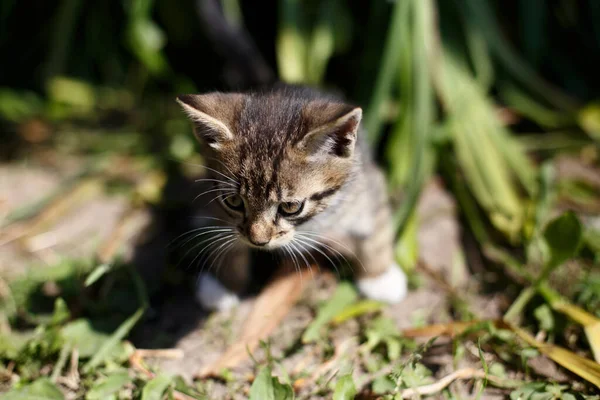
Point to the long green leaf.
(344, 388)
(113, 341)
(292, 46)
(267, 387)
(385, 78)
(42, 389)
(108, 386)
(481, 13)
(342, 298)
(154, 389)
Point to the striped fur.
(293, 145)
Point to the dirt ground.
(175, 321)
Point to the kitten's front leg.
(379, 277)
(219, 289)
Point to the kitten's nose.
(259, 234)
(259, 243)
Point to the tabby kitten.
(291, 172)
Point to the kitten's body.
(277, 151)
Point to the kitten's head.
(281, 157)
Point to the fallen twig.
(436, 387)
(174, 354)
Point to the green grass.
(433, 76)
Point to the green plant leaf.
(544, 316)
(154, 389)
(61, 312)
(267, 387)
(357, 309)
(589, 119)
(563, 236)
(96, 274)
(383, 384)
(108, 386)
(344, 388)
(108, 346)
(344, 295)
(82, 335)
(42, 389)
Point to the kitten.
(290, 171)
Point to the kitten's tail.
(246, 68)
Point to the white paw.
(213, 296)
(389, 287)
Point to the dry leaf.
(271, 306)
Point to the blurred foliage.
(488, 94)
(434, 77)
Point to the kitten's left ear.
(213, 115)
(336, 136)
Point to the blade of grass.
(342, 298)
(120, 334)
(481, 148)
(292, 46)
(539, 113)
(373, 116)
(356, 310)
(583, 367)
(482, 15)
(322, 43)
(65, 24)
(590, 323)
(410, 158)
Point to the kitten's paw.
(389, 287)
(213, 296)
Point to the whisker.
(218, 230)
(317, 235)
(321, 252)
(210, 191)
(211, 169)
(216, 180)
(213, 218)
(195, 230)
(220, 252)
(217, 239)
(229, 247)
(212, 247)
(309, 253)
(225, 166)
(229, 194)
(304, 258)
(294, 259)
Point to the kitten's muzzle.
(259, 233)
(259, 244)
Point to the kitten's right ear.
(213, 115)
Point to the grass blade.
(342, 298)
(292, 47)
(583, 367)
(344, 388)
(154, 389)
(481, 14)
(373, 117)
(113, 341)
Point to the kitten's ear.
(334, 131)
(213, 115)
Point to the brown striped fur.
(291, 144)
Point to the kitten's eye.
(291, 208)
(234, 202)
